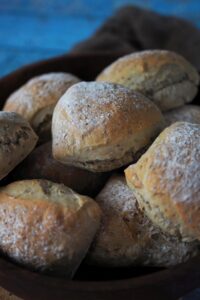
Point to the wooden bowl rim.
(11, 274)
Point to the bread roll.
(17, 140)
(186, 113)
(163, 76)
(40, 164)
(166, 180)
(101, 126)
(36, 100)
(127, 237)
(46, 226)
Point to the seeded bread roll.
(163, 76)
(101, 126)
(127, 237)
(187, 113)
(36, 100)
(46, 226)
(166, 181)
(17, 140)
(40, 164)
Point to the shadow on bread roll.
(17, 140)
(166, 181)
(127, 236)
(102, 126)
(40, 164)
(186, 113)
(36, 100)
(163, 76)
(46, 226)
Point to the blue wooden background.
(35, 29)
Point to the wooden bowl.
(91, 283)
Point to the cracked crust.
(127, 237)
(166, 181)
(46, 226)
(17, 140)
(102, 126)
(36, 100)
(163, 76)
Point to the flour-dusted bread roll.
(127, 237)
(163, 76)
(40, 164)
(101, 126)
(46, 226)
(36, 100)
(166, 180)
(187, 113)
(17, 140)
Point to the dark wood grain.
(162, 285)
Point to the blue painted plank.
(37, 29)
(11, 59)
(44, 33)
(59, 7)
(188, 9)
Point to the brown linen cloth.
(134, 29)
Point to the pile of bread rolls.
(106, 171)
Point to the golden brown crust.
(36, 99)
(163, 76)
(127, 237)
(17, 140)
(166, 180)
(46, 226)
(101, 126)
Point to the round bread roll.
(187, 113)
(163, 76)
(127, 237)
(166, 180)
(17, 140)
(40, 164)
(101, 126)
(46, 226)
(36, 100)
